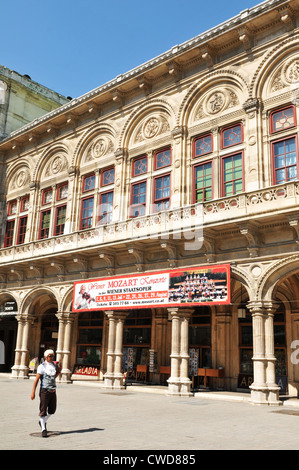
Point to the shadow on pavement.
(61, 433)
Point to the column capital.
(25, 317)
(69, 316)
(117, 314)
(262, 307)
(180, 312)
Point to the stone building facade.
(189, 161)
(22, 100)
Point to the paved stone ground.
(91, 418)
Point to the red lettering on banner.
(93, 371)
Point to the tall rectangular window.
(60, 220)
(285, 160)
(138, 200)
(9, 233)
(45, 224)
(22, 230)
(106, 208)
(87, 212)
(162, 192)
(203, 182)
(232, 175)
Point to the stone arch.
(45, 164)
(268, 283)
(6, 295)
(65, 304)
(270, 63)
(139, 118)
(89, 140)
(228, 78)
(241, 275)
(31, 298)
(18, 176)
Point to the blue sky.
(74, 46)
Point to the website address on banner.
(137, 296)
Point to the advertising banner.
(185, 286)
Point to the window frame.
(283, 139)
(196, 139)
(10, 204)
(23, 200)
(40, 224)
(164, 175)
(61, 185)
(237, 124)
(103, 171)
(165, 149)
(57, 208)
(44, 192)
(194, 189)
(8, 222)
(222, 186)
(278, 110)
(88, 175)
(81, 212)
(133, 174)
(100, 220)
(133, 206)
(21, 236)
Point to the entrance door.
(49, 333)
(136, 344)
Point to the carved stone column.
(66, 372)
(259, 389)
(273, 388)
(21, 366)
(60, 340)
(179, 382)
(114, 377)
(63, 345)
(16, 366)
(264, 389)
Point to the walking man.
(46, 373)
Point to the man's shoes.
(44, 432)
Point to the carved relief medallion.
(152, 127)
(290, 71)
(216, 102)
(99, 148)
(56, 165)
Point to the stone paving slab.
(90, 417)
